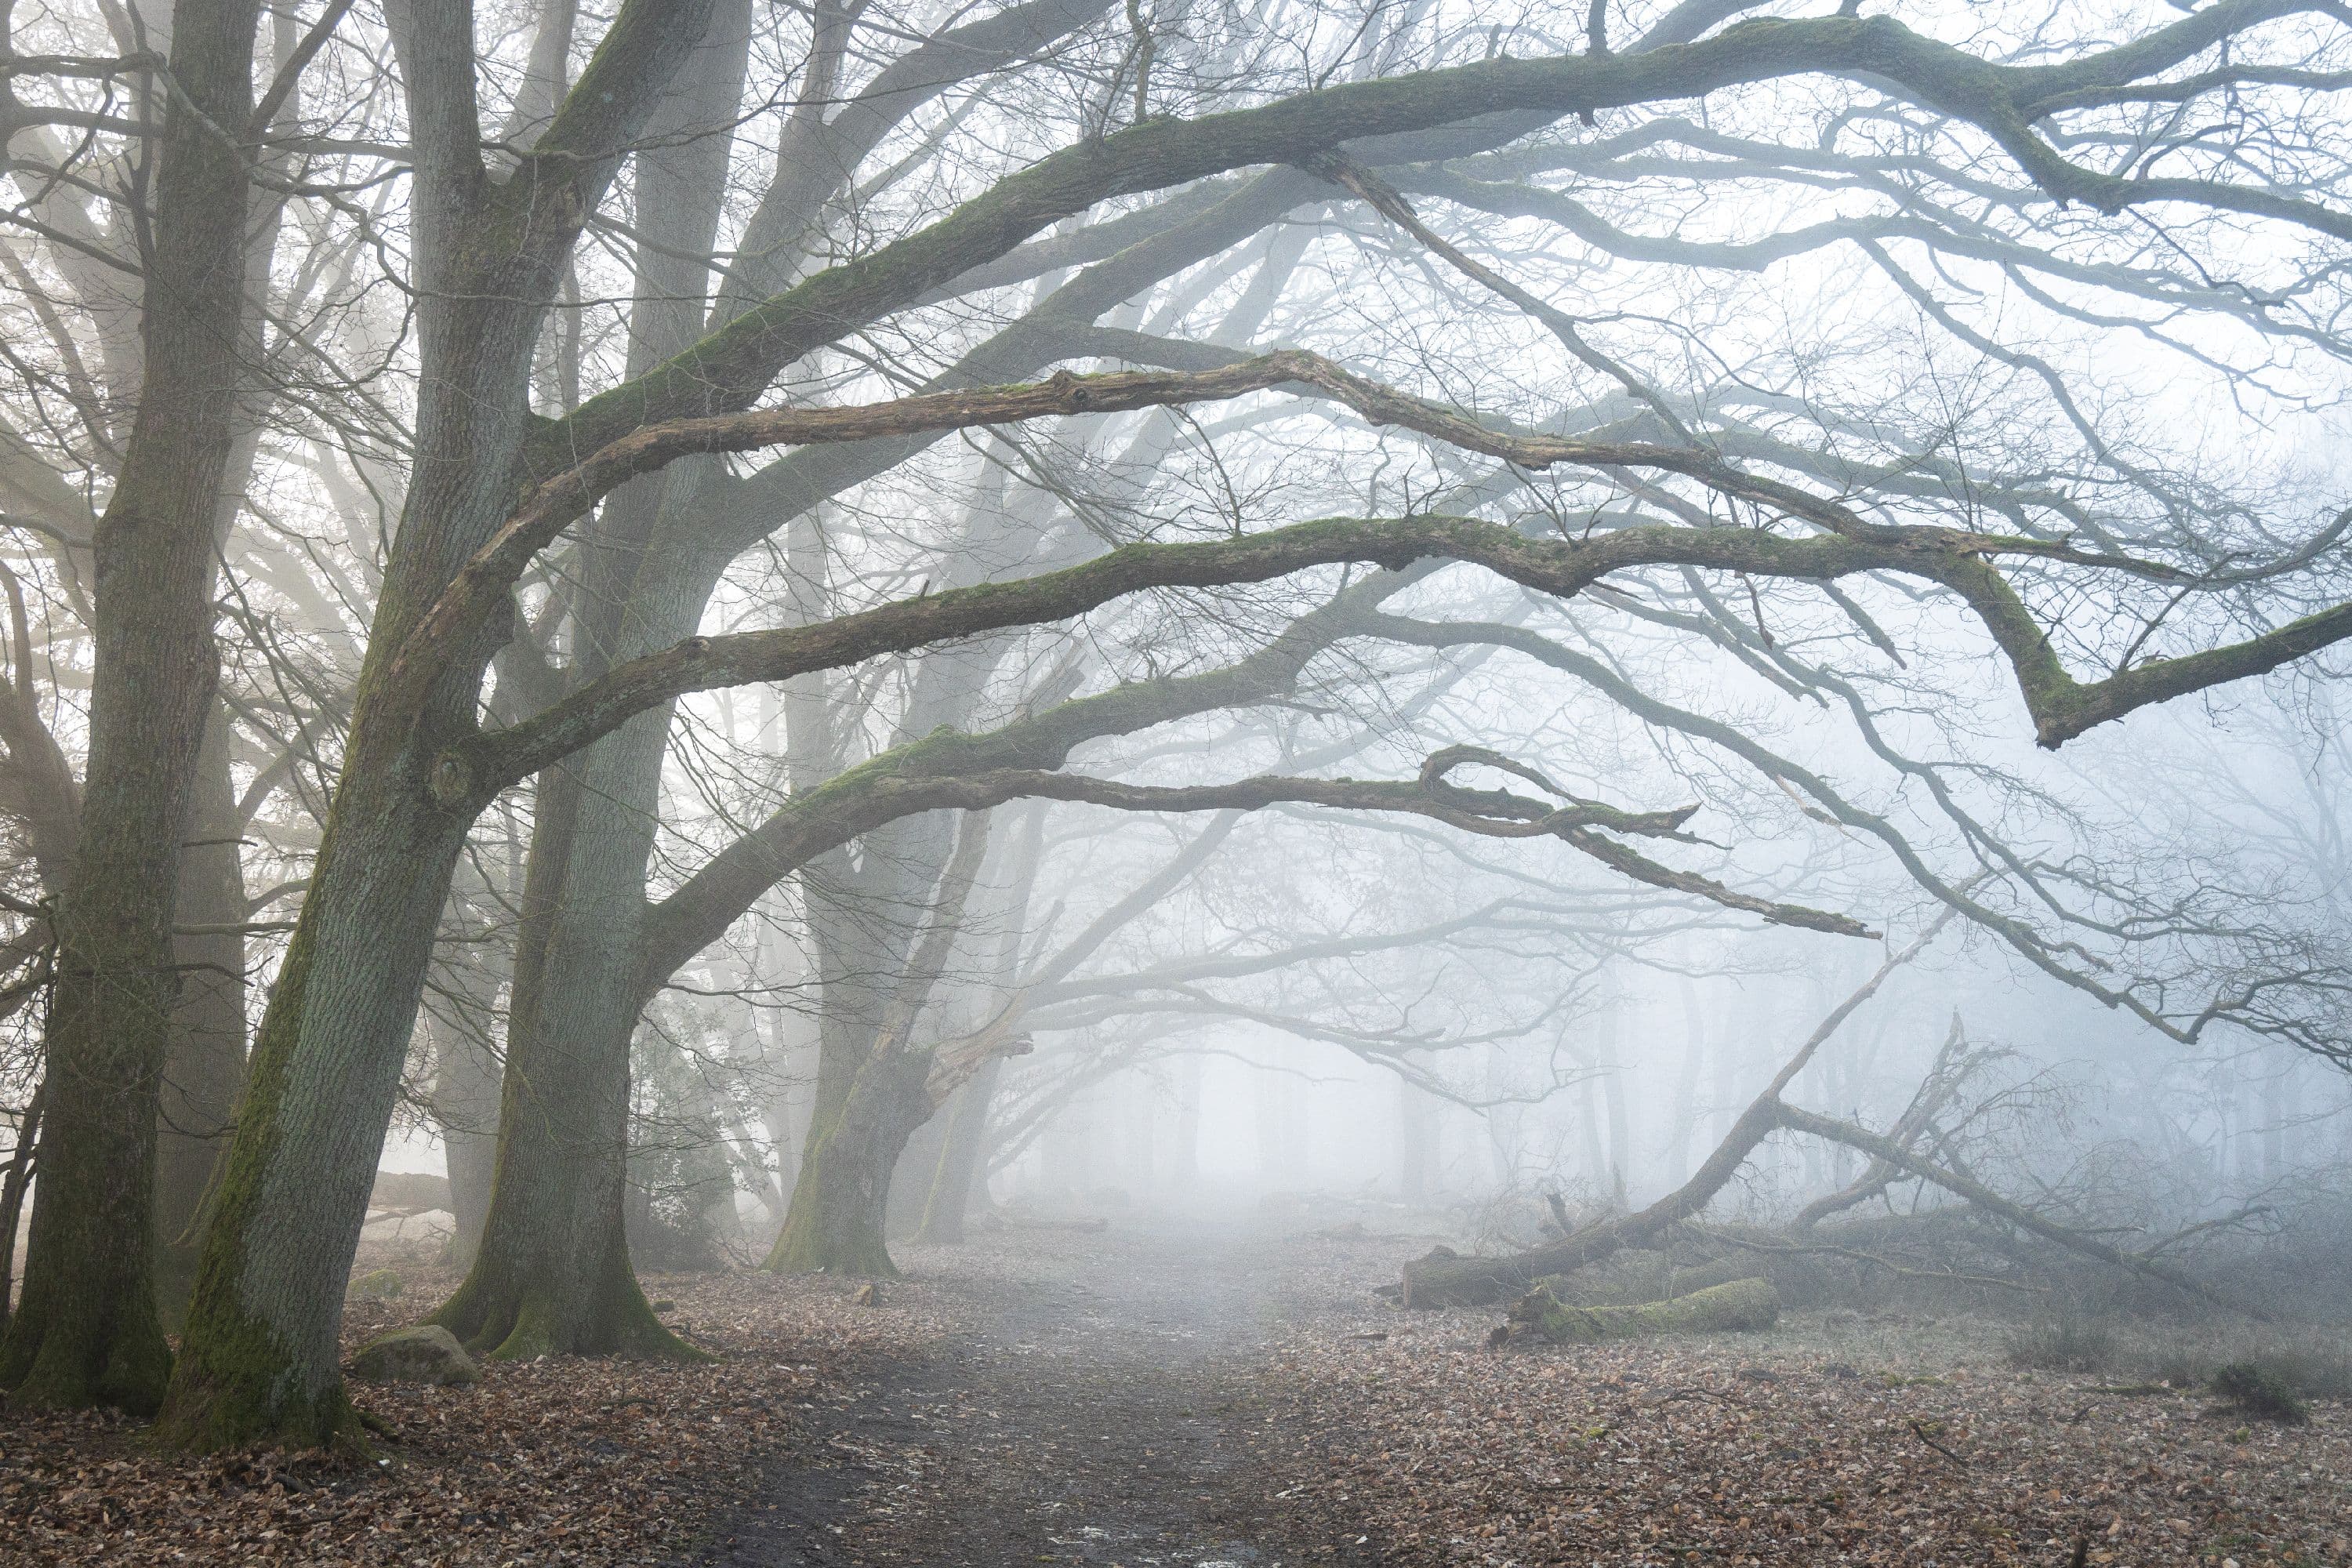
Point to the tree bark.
(552, 1274)
(87, 1331)
(840, 1202)
(203, 1063)
(1740, 1306)
(959, 1169)
(258, 1362)
(466, 1107)
(1447, 1280)
(835, 1223)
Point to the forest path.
(1089, 1409)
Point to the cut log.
(1741, 1306)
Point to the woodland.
(1171, 780)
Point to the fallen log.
(408, 1193)
(1002, 1221)
(1741, 1306)
(1992, 1202)
(1444, 1279)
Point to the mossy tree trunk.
(258, 1362)
(841, 1200)
(1739, 1306)
(552, 1272)
(835, 1223)
(87, 1332)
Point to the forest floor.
(1167, 1395)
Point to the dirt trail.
(1090, 1413)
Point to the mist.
(1174, 782)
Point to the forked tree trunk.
(551, 1273)
(86, 1331)
(258, 1362)
(840, 1200)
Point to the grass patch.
(2259, 1390)
(2063, 1341)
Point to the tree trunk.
(864, 941)
(258, 1361)
(1447, 1280)
(1414, 1128)
(1185, 1159)
(1685, 1104)
(840, 1203)
(204, 1064)
(467, 1075)
(552, 1275)
(1502, 1120)
(13, 1180)
(469, 1147)
(913, 1176)
(959, 1169)
(836, 1222)
(87, 1332)
(1613, 1092)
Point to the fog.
(701, 676)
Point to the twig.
(1921, 1433)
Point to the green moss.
(808, 1246)
(532, 1333)
(835, 1224)
(1742, 1305)
(494, 1319)
(122, 1365)
(231, 1392)
(378, 1285)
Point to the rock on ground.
(427, 1354)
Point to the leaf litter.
(1364, 1434)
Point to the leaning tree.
(1654, 442)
